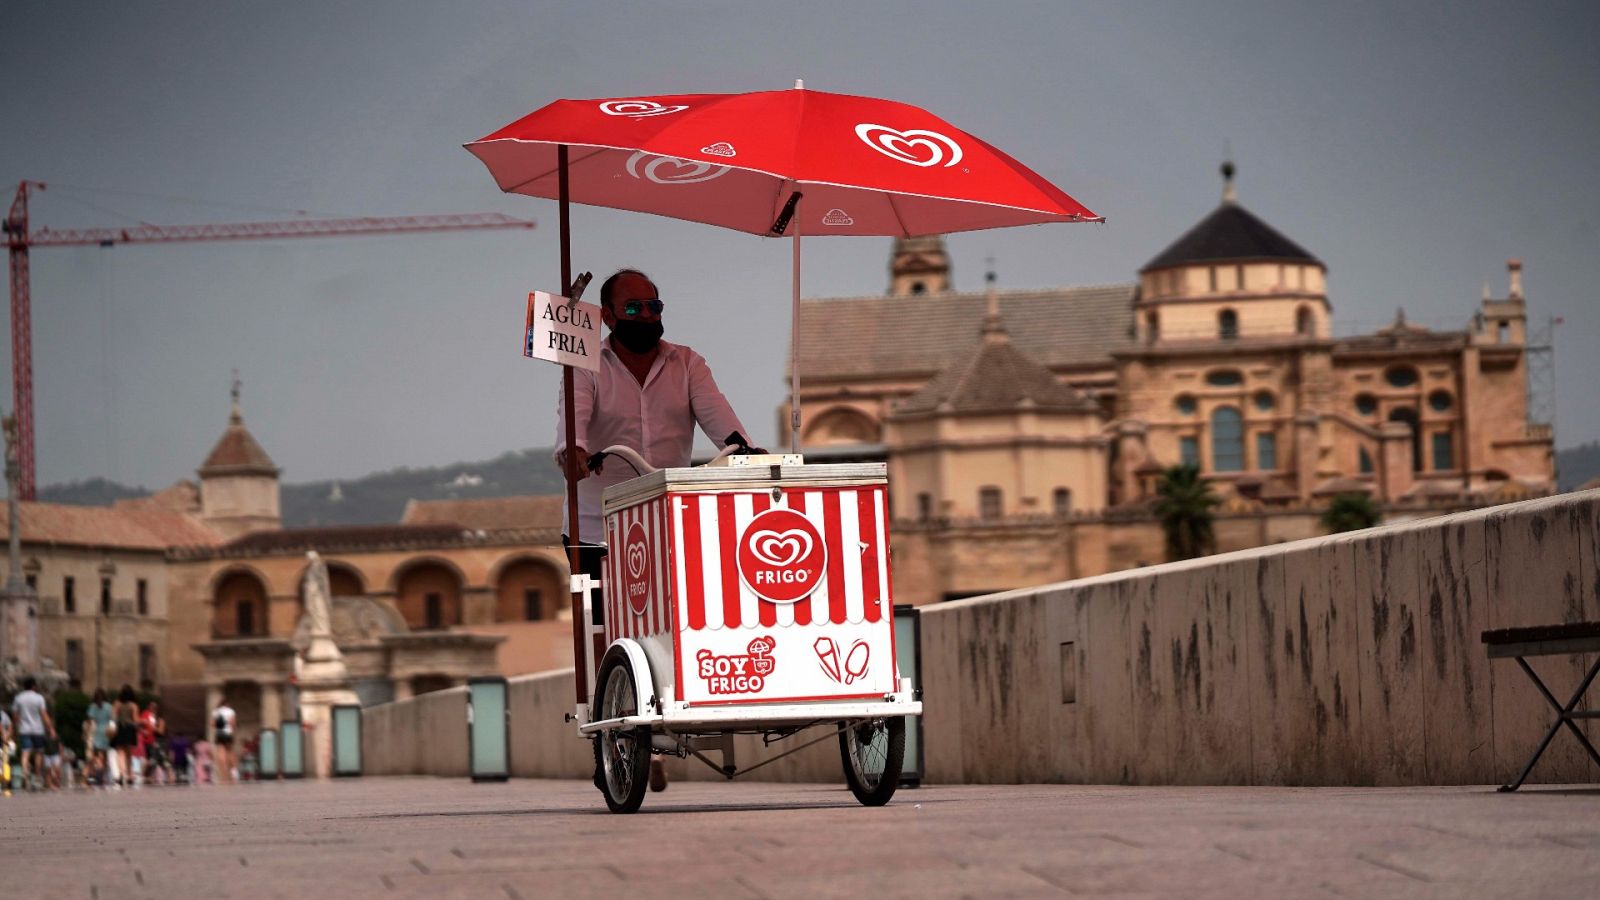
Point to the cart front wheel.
(622, 755)
(873, 754)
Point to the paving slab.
(429, 837)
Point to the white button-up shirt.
(657, 419)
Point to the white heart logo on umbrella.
(916, 147)
(636, 560)
(779, 550)
(638, 109)
(671, 170)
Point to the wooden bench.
(1551, 640)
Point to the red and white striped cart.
(748, 596)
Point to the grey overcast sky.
(1412, 146)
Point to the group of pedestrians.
(124, 745)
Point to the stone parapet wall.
(1345, 660)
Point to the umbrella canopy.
(865, 166)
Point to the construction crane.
(19, 239)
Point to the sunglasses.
(633, 308)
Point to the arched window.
(1363, 461)
(239, 607)
(1304, 324)
(529, 590)
(429, 596)
(1408, 416)
(1227, 440)
(842, 425)
(1152, 325)
(918, 287)
(924, 506)
(1062, 501)
(1227, 324)
(989, 503)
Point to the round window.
(1224, 378)
(1185, 404)
(1366, 404)
(1401, 376)
(1265, 401)
(1440, 401)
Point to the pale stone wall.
(1345, 660)
(110, 642)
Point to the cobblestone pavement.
(421, 837)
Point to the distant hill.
(93, 492)
(1577, 465)
(372, 499)
(381, 497)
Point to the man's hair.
(29, 683)
(608, 286)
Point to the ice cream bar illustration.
(828, 655)
(855, 665)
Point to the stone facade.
(196, 592)
(1223, 354)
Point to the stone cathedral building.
(1025, 429)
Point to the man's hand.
(575, 463)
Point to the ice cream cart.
(747, 596)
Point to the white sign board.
(562, 331)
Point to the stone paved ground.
(420, 837)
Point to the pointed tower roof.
(1230, 233)
(236, 452)
(993, 375)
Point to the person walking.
(153, 739)
(222, 723)
(125, 713)
(31, 713)
(99, 720)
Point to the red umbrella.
(745, 161)
(865, 166)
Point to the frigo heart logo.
(671, 170)
(636, 569)
(781, 555)
(917, 147)
(780, 549)
(638, 109)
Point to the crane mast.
(19, 238)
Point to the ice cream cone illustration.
(828, 656)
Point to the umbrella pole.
(580, 671)
(794, 339)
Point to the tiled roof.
(146, 528)
(181, 496)
(347, 537)
(994, 375)
(854, 337)
(237, 452)
(488, 513)
(1230, 234)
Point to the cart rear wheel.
(873, 755)
(622, 756)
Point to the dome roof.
(237, 452)
(1230, 234)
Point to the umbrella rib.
(896, 210)
(548, 172)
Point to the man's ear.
(607, 316)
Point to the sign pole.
(580, 675)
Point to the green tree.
(1350, 512)
(1184, 503)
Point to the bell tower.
(919, 265)
(238, 481)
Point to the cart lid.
(733, 478)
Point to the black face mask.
(637, 336)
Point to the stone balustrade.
(1345, 660)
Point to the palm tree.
(1184, 506)
(1350, 512)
